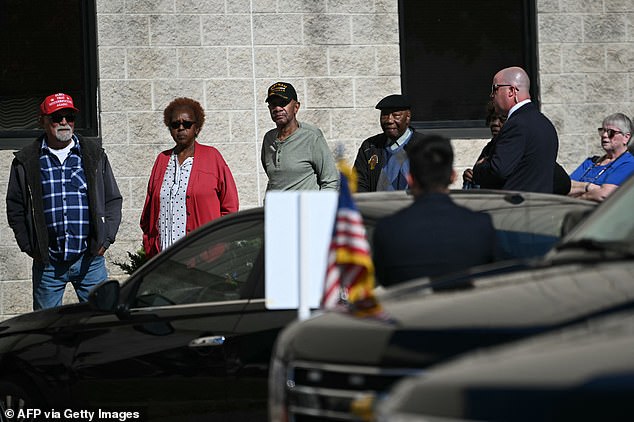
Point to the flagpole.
(303, 310)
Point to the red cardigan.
(211, 193)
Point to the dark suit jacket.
(523, 155)
(561, 180)
(433, 236)
(368, 178)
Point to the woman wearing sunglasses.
(597, 177)
(190, 184)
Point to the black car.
(189, 333)
(333, 366)
(582, 373)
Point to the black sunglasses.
(58, 117)
(277, 101)
(495, 87)
(186, 124)
(610, 132)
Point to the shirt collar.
(401, 140)
(75, 148)
(516, 106)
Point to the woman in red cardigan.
(190, 184)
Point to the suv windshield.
(612, 223)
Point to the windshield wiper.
(621, 248)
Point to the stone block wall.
(341, 55)
(586, 65)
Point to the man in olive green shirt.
(295, 155)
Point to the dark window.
(450, 50)
(46, 47)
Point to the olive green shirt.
(303, 161)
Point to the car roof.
(380, 204)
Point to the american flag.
(350, 273)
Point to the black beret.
(395, 102)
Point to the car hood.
(429, 327)
(538, 377)
(44, 319)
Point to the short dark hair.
(431, 161)
(184, 102)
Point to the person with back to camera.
(64, 206)
(524, 153)
(381, 162)
(295, 156)
(597, 177)
(190, 184)
(433, 236)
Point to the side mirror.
(572, 219)
(105, 297)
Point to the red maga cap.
(55, 102)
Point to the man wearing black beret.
(381, 162)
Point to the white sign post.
(297, 233)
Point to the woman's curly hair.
(184, 102)
(492, 114)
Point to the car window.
(521, 231)
(528, 231)
(212, 268)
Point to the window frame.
(16, 139)
(477, 128)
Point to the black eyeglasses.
(610, 132)
(58, 117)
(186, 124)
(495, 87)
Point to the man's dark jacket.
(433, 236)
(561, 180)
(524, 154)
(25, 209)
(367, 177)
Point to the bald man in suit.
(523, 157)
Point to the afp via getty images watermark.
(96, 415)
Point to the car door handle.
(210, 341)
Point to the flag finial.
(345, 169)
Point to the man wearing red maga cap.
(55, 102)
(64, 205)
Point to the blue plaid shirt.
(65, 195)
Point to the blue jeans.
(49, 281)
